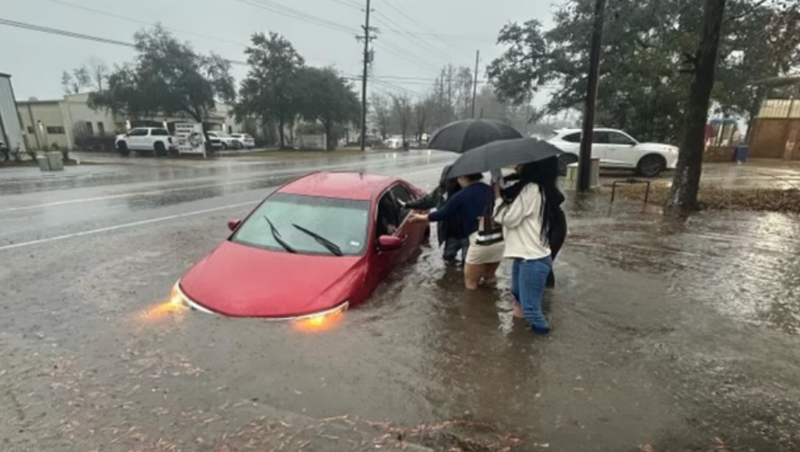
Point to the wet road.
(683, 336)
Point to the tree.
(642, 88)
(328, 99)
(381, 108)
(422, 115)
(98, 72)
(73, 83)
(703, 65)
(402, 112)
(271, 89)
(167, 77)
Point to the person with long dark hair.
(525, 210)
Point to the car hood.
(242, 281)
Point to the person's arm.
(449, 210)
(427, 202)
(511, 216)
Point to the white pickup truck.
(145, 140)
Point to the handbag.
(489, 231)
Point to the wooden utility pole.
(585, 161)
(367, 36)
(475, 85)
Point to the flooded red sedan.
(316, 246)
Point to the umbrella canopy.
(461, 136)
(502, 154)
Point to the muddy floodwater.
(667, 336)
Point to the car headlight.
(178, 298)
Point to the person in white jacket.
(523, 210)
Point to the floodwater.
(667, 336)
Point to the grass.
(715, 198)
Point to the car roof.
(356, 186)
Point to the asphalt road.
(667, 336)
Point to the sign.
(190, 137)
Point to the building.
(10, 128)
(51, 123)
(776, 133)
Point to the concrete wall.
(49, 114)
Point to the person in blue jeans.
(524, 210)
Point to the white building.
(56, 122)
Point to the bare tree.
(98, 71)
(402, 112)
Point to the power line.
(416, 41)
(143, 22)
(407, 56)
(70, 34)
(348, 4)
(299, 15)
(55, 31)
(420, 25)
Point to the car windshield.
(341, 222)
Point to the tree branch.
(747, 12)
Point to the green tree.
(328, 99)
(271, 90)
(167, 77)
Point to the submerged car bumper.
(180, 298)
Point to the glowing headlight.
(177, 297)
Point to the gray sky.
(36, 60)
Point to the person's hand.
(417, 217)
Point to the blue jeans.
(453, 246)
(528, 278)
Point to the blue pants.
(528, 280)
(453, 246)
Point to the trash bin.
(44, 163)
(740, 156)
(56, 160)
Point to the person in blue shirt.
(466, 209)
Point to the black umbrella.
(502, 154)
(461, 136)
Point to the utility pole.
(475, 85)
(367, 37)
(585, 162)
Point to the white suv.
(616, 149)
(245, 139)
(223, 141)
(145, 140)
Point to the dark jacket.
(466, 207)
(436, 199)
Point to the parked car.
(616, 149)
(221, 140)
(145, 140)
(348, 230)
(245, 139)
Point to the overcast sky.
(408, 52)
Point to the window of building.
(55, 130)
(89, 129)
(101, 128)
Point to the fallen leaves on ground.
(716, 198)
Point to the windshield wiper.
(277, 236)
(330, 246)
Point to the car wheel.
(565, 160)
(224, 146)
(237, 145)
(161, 151)
(123, 150)
(651, 165)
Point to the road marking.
(378, 165)
(150, 221)
(123, 226)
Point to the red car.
(315, 246)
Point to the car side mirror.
(234, 224)
(390, 243)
